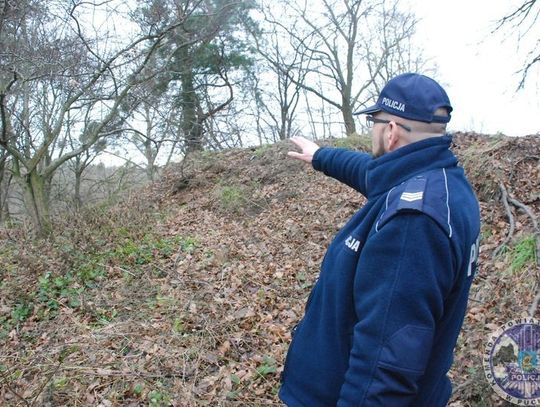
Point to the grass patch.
(260, 151)
(79, 261)
(354, 142)
(239, 198)
(523, 254)
(231, 197)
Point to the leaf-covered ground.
(185, 294)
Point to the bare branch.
(525, 14)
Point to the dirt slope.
(271, 240)
(208, 323)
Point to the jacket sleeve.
(344, 165)
(403, 275)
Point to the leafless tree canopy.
(150, 80)
(523, 21)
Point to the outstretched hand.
(308, 148)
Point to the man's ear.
(393, 136)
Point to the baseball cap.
(412, 96)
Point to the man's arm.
(403, 275)
(344, 165)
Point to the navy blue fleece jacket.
(383, 318)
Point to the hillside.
(186, 293)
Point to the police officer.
(383, 318)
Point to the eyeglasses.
(370, 121)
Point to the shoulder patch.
(426, 193)
(412, 196)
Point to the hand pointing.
(308, 148)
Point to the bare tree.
(199, 58)
(226, 130)
(80, 163)
(153, 124)
(52, 75)
(285, 65)
(354, 46)
(522, 21)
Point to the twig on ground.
(119, 268)
(504, 199)
(45, 382)
(534, 305)
(527, 210)
(12, 390)
(103, 372)
(532, 216)
(513, 172)
(534, 220)
(463, 385)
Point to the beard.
(377, 146)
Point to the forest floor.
(185, 293)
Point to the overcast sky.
(478, 68)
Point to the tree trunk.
(36, 199)
(346, 111)
(283, 133)
(149, 152)
(78, 180)
(4, 191)
(2, 176)
(5, 216)
(191, 125)
(150, 160)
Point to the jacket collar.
(393, 168)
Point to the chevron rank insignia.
(412, 196)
